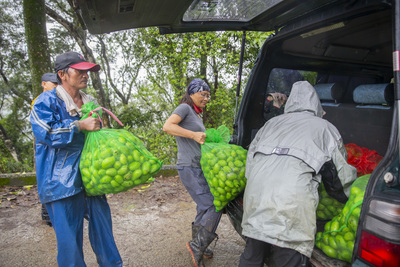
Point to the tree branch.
(11, 88)
(80, 37)
(167, 94)
(67, 25)
(104, 58)
(9, 144)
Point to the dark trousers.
(256, 252)
(196, 184)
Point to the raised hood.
(173, 16)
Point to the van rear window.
(227, 10)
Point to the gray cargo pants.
(196, 184)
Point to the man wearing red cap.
(57, 127)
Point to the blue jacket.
(58, 148)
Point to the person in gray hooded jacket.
(286, 162)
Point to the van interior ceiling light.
(323, 29)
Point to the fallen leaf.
(28, 186)
(131, 207)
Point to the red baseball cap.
(74, 60)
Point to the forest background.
(143, 74)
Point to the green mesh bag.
(328, 207)
(88, 108)
(114, 160)
(337, 239)
(220, 135)
(223, 165)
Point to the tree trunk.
(39, 57)
(36, 39)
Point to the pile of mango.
(337, 239)
(224, 167)
(114, 161)
(328, 207)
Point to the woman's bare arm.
(171, 127)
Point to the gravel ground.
(151, 226)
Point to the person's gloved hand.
(277, 98)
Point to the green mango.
(114, 161)
(329, 251)
(136, 174)
(107, 162)
(155, 168)
(85, 172)
(146, 167)
(134, 166)
(106, 153)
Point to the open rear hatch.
(173, 16)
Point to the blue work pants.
(67, 216)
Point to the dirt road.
(151, 226)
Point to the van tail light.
(378, 252)
(380, 236)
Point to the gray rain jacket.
(283, 172)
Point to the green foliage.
(221, 108)
(258, 38)
(144, 75)
(309, 76)
(15, 88)
(19, 132)
(8, 164)
(167, 64)
(158, 143)
(13, 56)
(12, 166)
(132, 116)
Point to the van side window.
(281, 81)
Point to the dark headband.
(197, 85)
